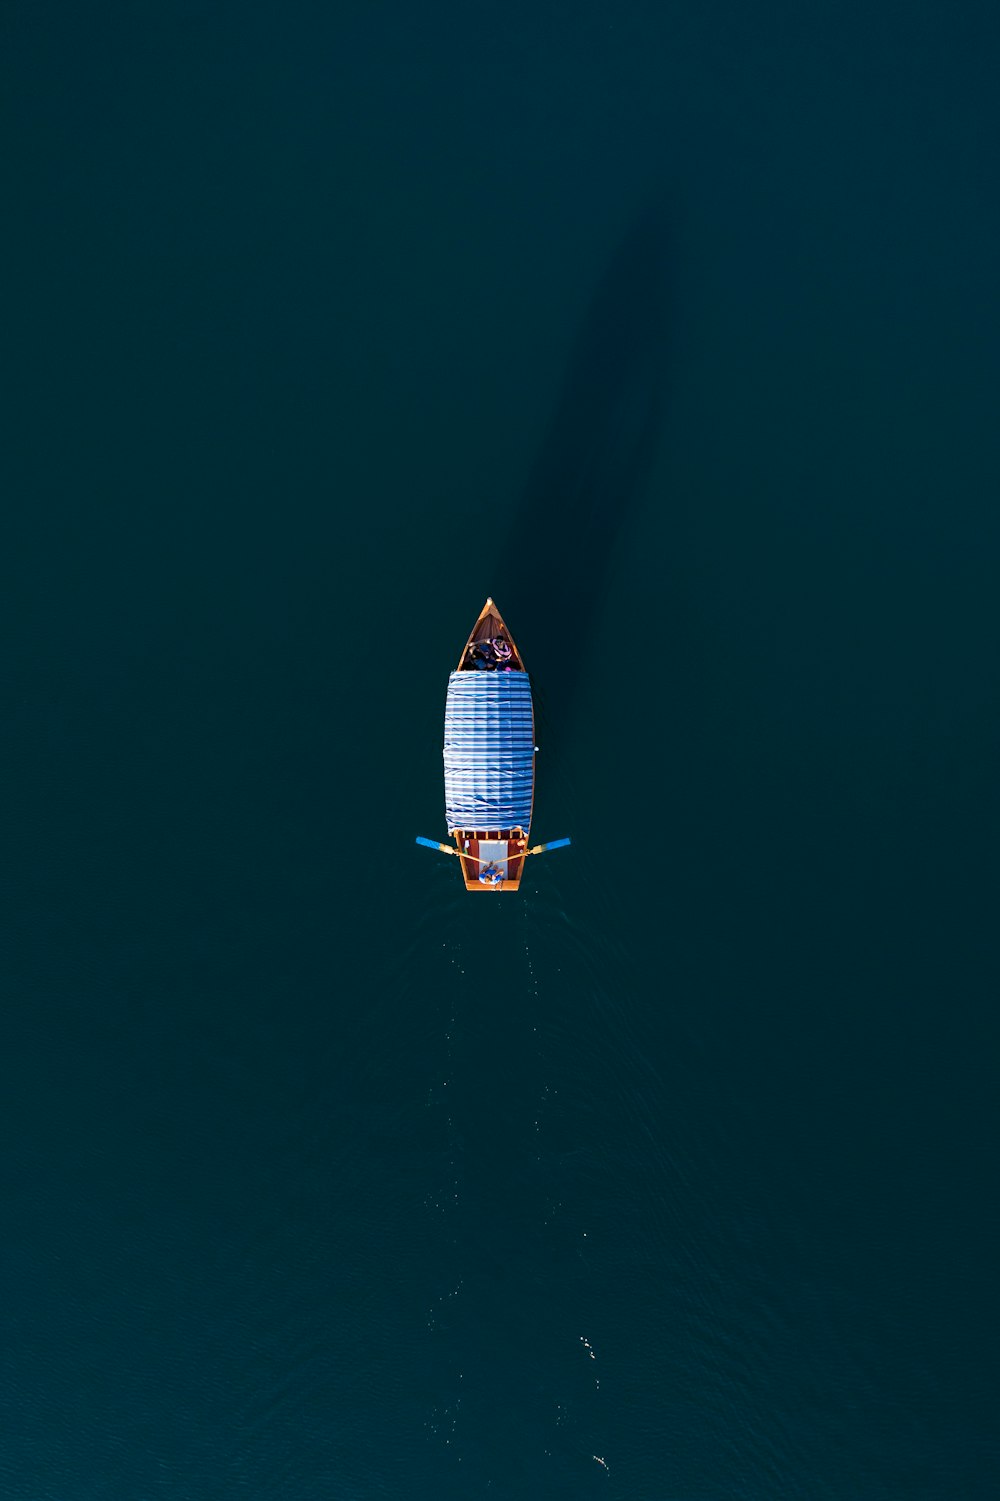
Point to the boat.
(489, 759)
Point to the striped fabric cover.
(488, 750)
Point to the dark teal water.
(676, 329)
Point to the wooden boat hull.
(489, 756)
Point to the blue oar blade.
(433, 844)
(554, 844)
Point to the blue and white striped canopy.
(489, 744)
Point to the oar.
(447, 849)
(553, 844)
(434, 844)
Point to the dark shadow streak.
(590, 473)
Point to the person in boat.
(491, 874)
(501, 650)
(482, 656)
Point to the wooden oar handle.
(481, 860)
(536, 849)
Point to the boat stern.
(492, 860)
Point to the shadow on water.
(591, 469)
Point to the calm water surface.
(674, 328)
